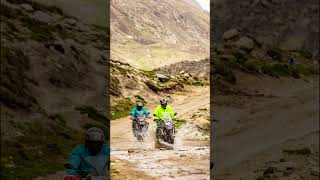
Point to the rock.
(181, 72)
(258, 54)
(226, 57)
(245, 43)
(202, 123)
(282, 160)
(116, 171)
(315, 171)
(287, 166)
(252, 65)
(42, 16)
(203, 75)
(70, 21)
(10, 165)
(20, 134)
(186, 75)
(230, 34)
(27, 7)
(183, 155)
(270, 170)
(162, 77)
(123, 67)
(83, 27)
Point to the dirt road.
(247, 137)
(188, 160)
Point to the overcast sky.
(205, 4)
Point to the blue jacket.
(135, 112)
(78, 160)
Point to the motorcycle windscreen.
(99, 164)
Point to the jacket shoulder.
(79, 149)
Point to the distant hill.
(147, 34)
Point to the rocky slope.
(147, 34)
(288, 24)
(242, 52)
(48, 60)
(92, 12)
(129, 83)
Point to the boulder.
(270, 170)
(27, 7)
(42, 17)
(230, 34)
(202, 123)
(187, 75)
(70, 21)
(245, 43)
(83, 27)
(162, 77)
(287, 166)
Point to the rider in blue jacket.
(139, 109)
(93, 157)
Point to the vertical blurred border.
(212, 84)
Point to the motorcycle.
(166, 129)
(141, 127)
(99, 169)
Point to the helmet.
(139, 103)
(94, 134)
(163, 102)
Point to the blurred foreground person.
(90, 160)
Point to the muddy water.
(189, 158)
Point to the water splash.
(188, 132)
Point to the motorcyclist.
(136, 111)
(85, 156)
(162, 110)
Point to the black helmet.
(163, 102)
(94, 140)
(94, 134)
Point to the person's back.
(91, 158)
(79, 160)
